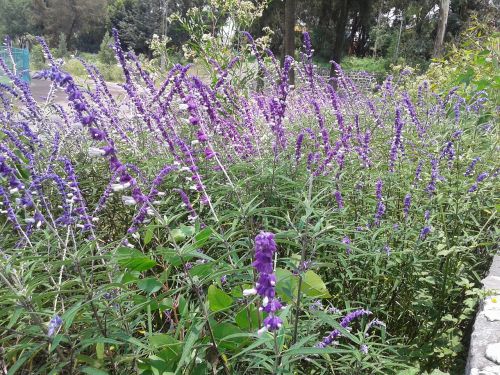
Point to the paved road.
(40, 88)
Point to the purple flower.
(378, 190)
(363, 348)
(470, 168)
(346, 321)
(347, 241)
(54, 325)
(407, 203)
(424, 232)
(479, 179)
(396, 142)
(265, 247)
(272, 322)
(338, 198)
(482, 177)
(316, 306)
(387, 249)
(298, 146)
(380, 212)
(272, 306)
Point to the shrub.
(197, 228)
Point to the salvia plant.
(190, 227)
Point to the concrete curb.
(484, 350)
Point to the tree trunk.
(289, 31)
(340, 25)
(444, 7)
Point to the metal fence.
(18, 62)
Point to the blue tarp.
(18, 62)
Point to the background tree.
(444, 7)
(289, 33)
(83, 19)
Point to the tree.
(106, 54)
(14, 17)
(62, 48)
(74, 18)
(342, 12)
(289, 30)
(444, 7)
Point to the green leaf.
(149, 285)
(178, 235)
(217, 299)
(189, 342)
(170, 348)
(223, 330)
(99, 350)
(286, 284)
(92, 371)
(133, 259)
(148, 236)
(242, 318)
(313, 285)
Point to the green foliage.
(367, 64)
(62, 48)
(472, 65)
(37, 60)
(106, 54)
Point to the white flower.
(120, 187)
(261, 331)
(249, 292)
(30, 220)
(265, 301)
(183, 107)
(161, 194)
(128, 201)
(94, 151)
(14, 191)
(194, 142)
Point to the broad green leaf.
(170, 348)
(149, 285)
(286, 284)
(133, 259)
(223, 330)
(248, 318)
(217, 299)
(313, 285)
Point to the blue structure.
(21, 59)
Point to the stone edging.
(484, 349)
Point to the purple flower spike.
(346, 321)
(407, 203)
(265, 247)
(424, 232)
(54, 325)
(338, 198)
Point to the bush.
(62, 49)
(106, 54)
(204, 228)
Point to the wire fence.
(18, 61)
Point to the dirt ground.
(40, 88)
